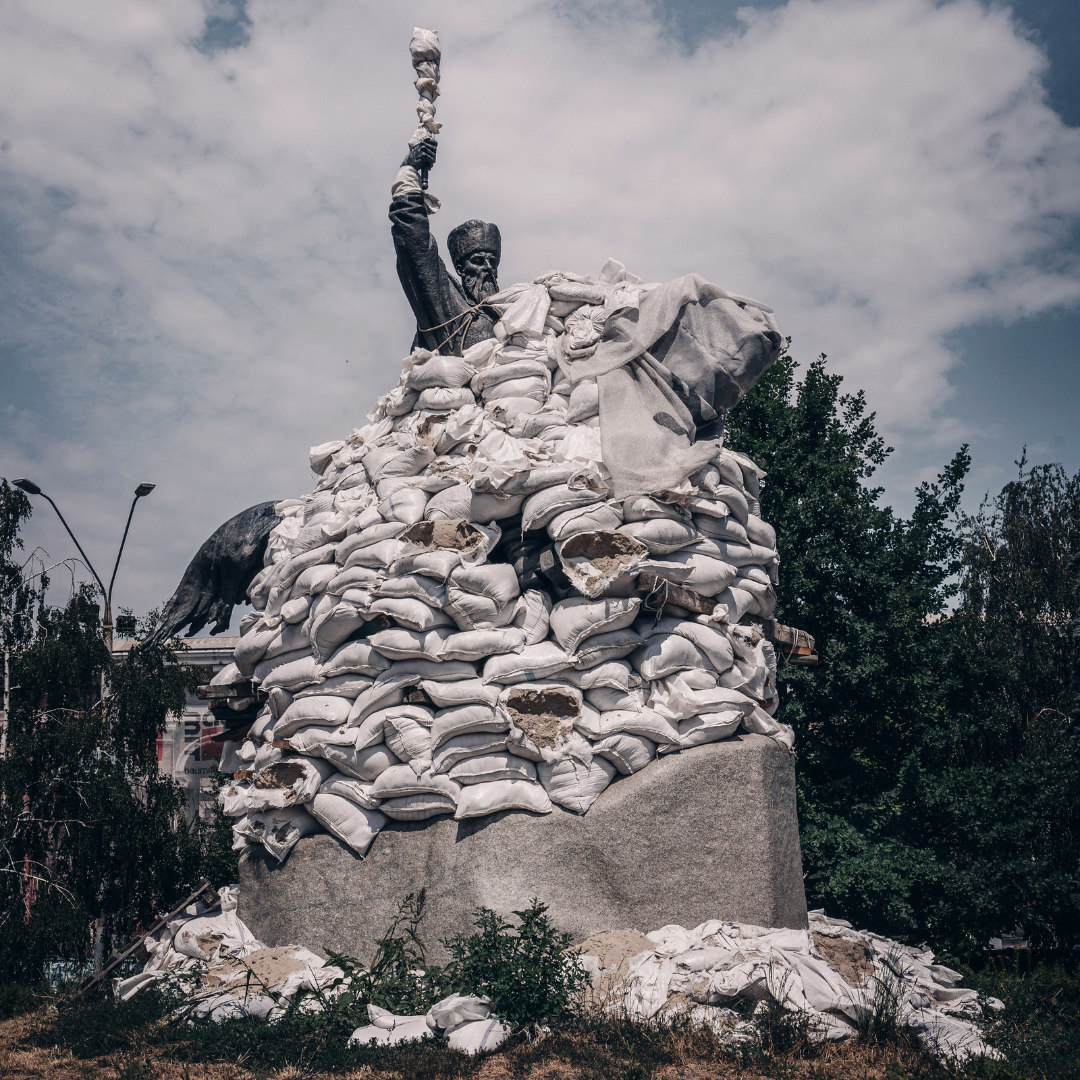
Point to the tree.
(94, 839)
(905, 809)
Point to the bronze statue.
(450, 313)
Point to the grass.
(98, 1038)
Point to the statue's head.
(475, 248)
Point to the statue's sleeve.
(434, 295)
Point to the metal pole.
(86, 560)
(116, 566)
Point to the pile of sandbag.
(209, 956)
(832, 972)
(453, 622)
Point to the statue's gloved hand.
(422, 155)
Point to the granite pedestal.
(708, 833)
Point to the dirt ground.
(20, 1061)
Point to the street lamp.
(143, 489)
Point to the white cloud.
(201, 273)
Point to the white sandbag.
(334, 628)
(374, 727)
(233, 798)
(602, 648)
(348, 787)
(365, 764)
(736, 603)
(327, 711)
(744, 554)
(293, 674)
(722, 528)
(661, 535)
(413, 587)
(294, 611)
(438, 564)
(464, 719)
(414, 614)
(577, 618)
(607, 699)
(278, 830)
(760, 532)
(448, 695)
(251, 648)
(407, 505)
(573, 784)
(581, 519)
(758, 722)
(310, 740)
(366, 537)
(541, 721)
(439, 370)
(277, 701)
(290, 781)
(702, 574)
(472, 744)
(439, 671)
(478, 800)
(354, 825)
(532, 614)
(533, 662)
(690, 693)
(450, 504)
(482, 597)
(713, 641)
(593, 561)
(445, 398)
(500, 373)
(664, 654)
(400, 643)
(644, 722)
(615, 674)
(584, 402)
(545, 505)
(489, 506)
(418, 807)
(709, 727)
(628, 753)
(355, 657)
(401, 780)
(534, 387)
(377, 556)
(478, 644)
(408, 738)
(402, 1029)
(314, 579)
(390, 461)
(458, 1009)
(645, 508)
(487, 768)
(356, 577)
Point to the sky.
(199, 282)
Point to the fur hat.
(474, 235)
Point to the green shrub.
(527, 971)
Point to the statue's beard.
(478, 284)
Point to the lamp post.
(143, 489)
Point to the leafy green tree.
(923, 813)
(93, 839)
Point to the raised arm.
(433, 294)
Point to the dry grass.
(566, 1055)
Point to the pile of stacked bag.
(453, 621)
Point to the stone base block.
(709, 833)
